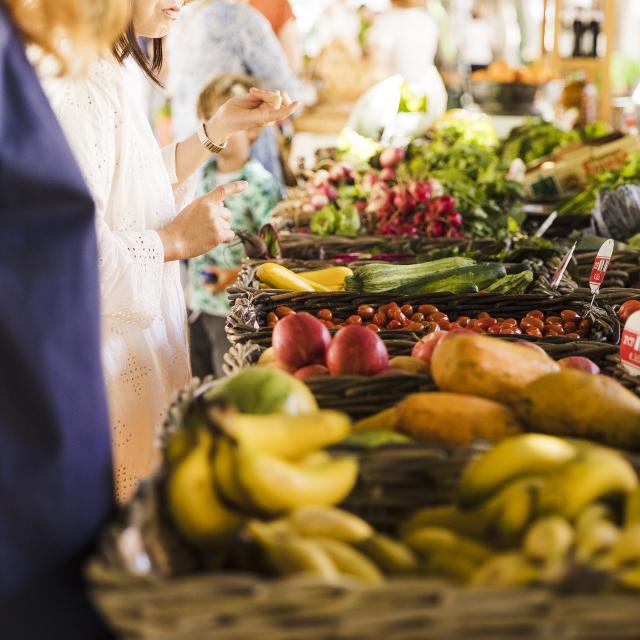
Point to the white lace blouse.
(133, 182)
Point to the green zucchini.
(516, 283)
(462, 280)
(383, 277)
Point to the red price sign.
(600, 266)
(562, 267)
(630, 345)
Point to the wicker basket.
(624, 268)
(216, 606)
(250, 307)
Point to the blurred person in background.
(477, 40)
(283, 22)
(56, 480)
(215, 37)
(404, 41)
(138, 189)
(211, 274)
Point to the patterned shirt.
(215, 38)
(249, 211)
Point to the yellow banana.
(466, 523)
(192, 501)
(349, 561)
(632, 507)
(595, 474)
(329, 522)
(549, 539)
(393, 557)
(510, 459)
(506, 570)
(455, 566)
(512, 509)
(178, 445)
(276, 486)
(595, 539)
(386, 420)
(627, 548)
(315, 459)
(429, 540)
(630, 578)
(225, 471)
(284, 436)
(591, 514)
(297, 555)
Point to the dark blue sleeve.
(56, 486)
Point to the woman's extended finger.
(269, 116)
(219, 194)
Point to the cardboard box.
(567, 171)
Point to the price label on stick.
(600, 266)
(560, 271)
(546, 225)
(630, 345)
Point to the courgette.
(383, 277)
(517, 283)
(463, 280)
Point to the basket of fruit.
(238, 534)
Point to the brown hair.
(88, 26)
(128, 45)
(220, 89)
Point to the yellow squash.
(276, 276)
(333, 277)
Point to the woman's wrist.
(216, 132)
(170, 245)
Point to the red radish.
(356, 350)
(300, 340)
(581, 363)
(390, 157)
(423, 350)
(312, 371)
(387, 174)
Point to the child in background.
(211, 274)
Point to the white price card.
(600, 266)
(630, 345)
(560, 271)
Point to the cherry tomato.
(570, 316)
(283, 311)
(570, 326)
(583, 333)
(272, 317)
(325, 314)
(366, 312)
(510, 322)
(627, 309)
(407, 309)
(444, 325)
(553, 320)
(373, 327)
(486, 323)
(463, 321)
(536, 314)
(380, 319)
(558, 328)
(357, 320)
(550, 333)
(508, 331)
(394, 325)
(500, 320)
(400, 317)
(483, 315)
(585, 325)
(573, 335)
(427, 309)
(417, 317)
(472, 324)
(494, 330)
(535, 332)
(455, 325)
(533, 322)
(438, 316)
(413, 326)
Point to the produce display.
(521, 388)
(426, 317)
(502, 72)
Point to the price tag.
(545, 226)
(600, 266)
(630, 345)
(560, 271)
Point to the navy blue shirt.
(56, 487)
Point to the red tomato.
(438, 316)
(463, 321)
(354, 320)
(380, 319)
(570, 316)
(427, 309)
(272, 317)
(535, 332)
(366, 312)
(417, 317)
(325, 314)
(373, 327)
(283, 311)
(536, 314)
(407, 309)
(394, 325)
(627, 309)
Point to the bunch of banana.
(264, 465)
(531, 508)
(329, 543)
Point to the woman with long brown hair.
(56, 483)
(138, 189)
